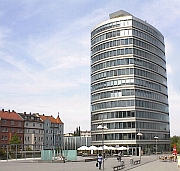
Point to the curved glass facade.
(129, 84)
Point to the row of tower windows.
(150, 57)
(115, 62)
(149, 47)
(129, 81)
(127, 51)
(111, 34)
(128, 41)
(129, 92)
(148, 29)
(115, 125)
(129, 103)
(113, 93)
(131, 125)
(122, 51)
(129, 114)
(128, 61)
(129, 71)
(127, 23)
(121, 23)
(111, 73)
(127, 32)
(112, 43)
(148, 38)
(130, 136)
(149, 75)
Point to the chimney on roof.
(13, 111)
(9, 111)
(30, 113)
(24, 113)
(43, 114)
(2, 110)
(51, 116)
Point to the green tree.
(77, 132)
(15, 139)
(2, 154)
(178, 145)
(175, 140)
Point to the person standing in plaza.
(100, 159)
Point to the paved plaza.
(158, 166)
(148, 164)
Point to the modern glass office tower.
(129, 84)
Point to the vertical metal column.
(16, 151)
(7, 153)
(103, 142)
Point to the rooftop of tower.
(120, 13)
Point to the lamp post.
(156, 138)
(139, 134)
(102, 128)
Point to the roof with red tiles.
(58, 119)
(10, 115)
(52, 119)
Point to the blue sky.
(45, 54)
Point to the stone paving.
(158, 166)
(148, 163)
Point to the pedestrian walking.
(100, 160)
(119, 156)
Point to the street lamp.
(139, 134)
(102, 128)
(156, 138)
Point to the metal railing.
(21, 151)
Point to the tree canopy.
(15, 139)
(175, 140)
(77, 132)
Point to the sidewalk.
(158, 166)
(148, 164)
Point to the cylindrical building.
(129, 84)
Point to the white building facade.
(129, 84)
(33, 131)
(74, 142)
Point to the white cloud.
(169, 48)
(63, 58)
(169, 69)
(4, 34)
(166, 13)
(67, 48)
(56, 86)
(174, 110)
(74, 111)
(58, 51)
